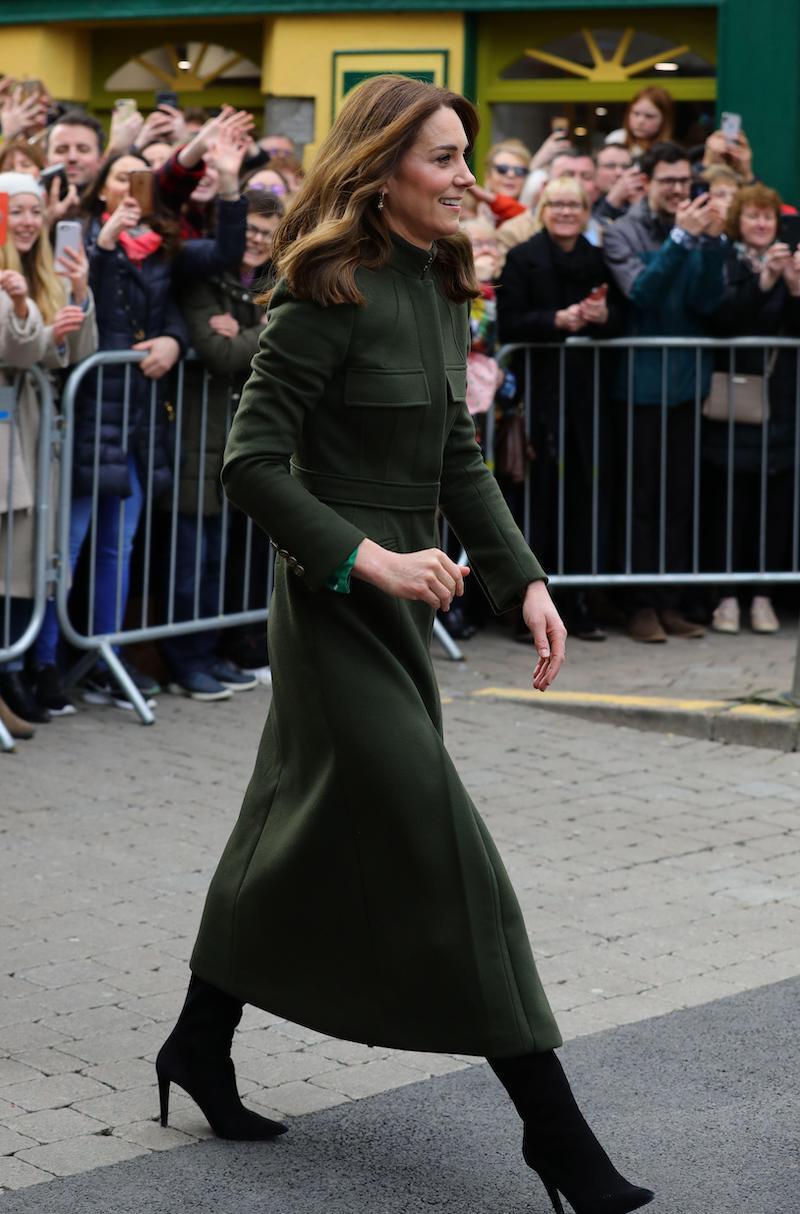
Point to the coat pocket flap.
(386, 389)
(457, 383)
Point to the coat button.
(291, 561)
(282, 552)
(272, 544)
(299, 570)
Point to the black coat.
(747, 311)
(133, 303)
(538, 280)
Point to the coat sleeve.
(229, 356)
(301, 348)
(644, 284)
(474, 506)
(22, 342)
(199, 259)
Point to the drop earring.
(381, 197)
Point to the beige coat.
(23, 343)
(515, 231)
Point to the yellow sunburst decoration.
(611, 70)
(189, 79)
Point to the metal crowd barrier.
(38, 563)
(605, 388)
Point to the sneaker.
(50, 692)
(762, 615)
(231, 677)
(200, 685)
(144, 683)
(676, 625)
(725, 617)
(19, 698)
(100, 688)
(644, 625)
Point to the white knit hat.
(20, 183)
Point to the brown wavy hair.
(334, 226)
(757, 195)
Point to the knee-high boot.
(559, 1144)
(197, 1056)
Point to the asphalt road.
(700, 1104)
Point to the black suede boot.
(558, 1142)
(197, 1056)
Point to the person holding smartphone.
(58, 291)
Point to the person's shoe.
(559, 1144)
(644, 625)
(19, 698)
(144, 683)
(18, 728)
(100, 688)
(676, 625)
(229, 676)
(725, 617)
(456, 624)
(200, 685)
(762, 615)
(50, 692)
(197, 1056)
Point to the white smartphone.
(69, 235)
(731, 126)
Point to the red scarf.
(137, 248)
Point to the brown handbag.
(512, 449)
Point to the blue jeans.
(112, 564)
(196, 651)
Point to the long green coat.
(360, 893)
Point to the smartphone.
(141, 186)
(167, 99)
(731, 126)
(3, 218)
(560, 125)
(697, 189)
(69, 235)
(789, 231)
(30, 88)
(47, 175)
(125, 106)
(599, 292)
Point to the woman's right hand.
(126, 216)
(571, 319)
(428, 576)
(15, 286)
(778, 258)
(67, 320)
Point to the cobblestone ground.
(655, 872)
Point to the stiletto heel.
(555, 1196)
(163, 1097)
(197, 1056)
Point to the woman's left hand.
(548, 631)
(594, 311)
(162, 355)
(74, 265)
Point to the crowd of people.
(158, 238)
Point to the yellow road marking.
(585, 698)
(774, 712)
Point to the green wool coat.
(360, 892)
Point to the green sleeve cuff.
(339, 580)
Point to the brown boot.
(14, 724)
(644, 625)
(678, 626)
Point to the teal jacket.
(673, 289)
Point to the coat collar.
(411, 260)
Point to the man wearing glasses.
(666, 255)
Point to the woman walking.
(360, 892)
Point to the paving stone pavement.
(655, 872)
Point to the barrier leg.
(6, 740)
(446, 641)
(126, 683)
(795, 694)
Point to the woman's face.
(118, 183)
(758, 226)
(157, 154)
(564, 216)
(25, 219)
(723, 191)
(207, 187)
(269, 180)
(645, 119)
(259, 234)
(422, 200)
(20, 163)
(506, 174)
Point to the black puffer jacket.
(747, 311)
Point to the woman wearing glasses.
(553, 286)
